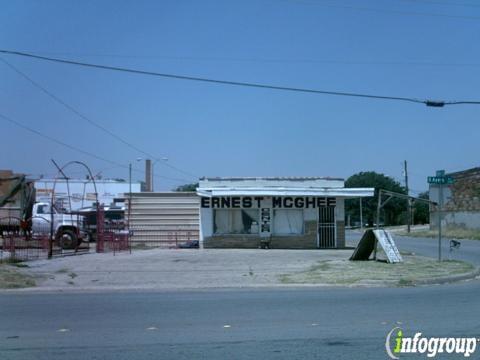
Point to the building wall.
(82, 192)
(156, 216)
(461, 201)
(307, 240)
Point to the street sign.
(440, 180)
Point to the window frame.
(214, 214)
(274, 233)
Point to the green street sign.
(440, 180)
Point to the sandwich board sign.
(385, 239)
(367, 244)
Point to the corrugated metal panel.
(158, 216)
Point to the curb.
(449, 279)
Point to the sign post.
(440, 179)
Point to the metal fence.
(18, 244)
(114, 238)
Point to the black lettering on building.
(321, 202)
(287, 202)
(276, 202)
(235, 202)
(215, 202)
(205, 202)
(331, 201)
(259, 199)
(299, 202)
(310, 202)
(225, 202)
(247, 202)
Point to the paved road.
(469, 249)
(264, 324)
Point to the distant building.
(79, 193)
(461, 200)
(291, 212)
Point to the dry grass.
(11, 278)
(345, 272)
(453, 233)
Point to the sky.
(421, 49)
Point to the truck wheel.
(67, 239)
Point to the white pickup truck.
(68, 229)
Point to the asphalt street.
(469, 249)
(317, 323)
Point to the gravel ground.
(173, 269)
(162, 269)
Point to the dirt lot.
(220, 268)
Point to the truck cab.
(68, 229)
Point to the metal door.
(326, 227)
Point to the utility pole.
(130, 192)
(440, 208)
(361, 214)
(130, 177)
(409, 201)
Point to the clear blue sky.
(389, 47)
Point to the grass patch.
(450, 232)
(15, 262)
(62, 271)
(345, 272)
(406, 282)
(10, 278)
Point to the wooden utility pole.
(361, 214)
(409, 202)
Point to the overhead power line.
(428, 102)
(83, 117)
(360, 62)
(71, 147)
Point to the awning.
(284, 191)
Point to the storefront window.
(288, 222)
(236, 221)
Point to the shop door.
(326, 227)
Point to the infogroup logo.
(396, 343)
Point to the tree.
(187, 187)
(393, 213)
(421, 210)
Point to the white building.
(303, 212)
(81, 192)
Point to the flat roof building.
(276, 212)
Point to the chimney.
(148, 175)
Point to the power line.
(428, 102)
(71, 147)
(263, 60)
(80, 115)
